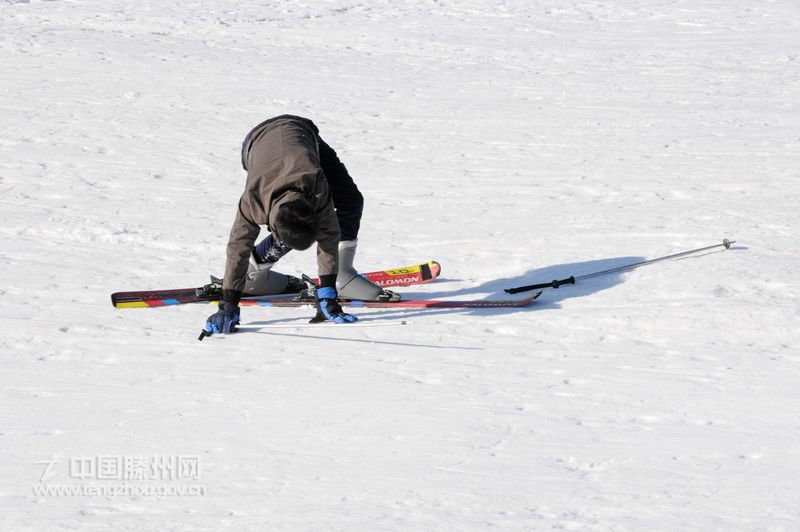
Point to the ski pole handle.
(203, 334)
(568, 280)
(555, 283)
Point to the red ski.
(407, 276)
(409, 303)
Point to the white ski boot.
(262, 281)
(350, 285)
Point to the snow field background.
(514, 142)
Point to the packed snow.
(514, 142)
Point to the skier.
(299, 189)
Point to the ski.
(327, 325)
(406, 276)
(313, 325)
(409, 303)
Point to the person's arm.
(328, 307)
(328, 246)
(240, 245)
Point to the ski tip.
(429, 271)
(119, 300)
(525, 301)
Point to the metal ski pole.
(572, 280)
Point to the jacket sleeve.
(240, 244)
(328, 245)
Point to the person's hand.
(329, 309)
(224, 321)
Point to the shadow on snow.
(549, 299)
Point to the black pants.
(347, 199)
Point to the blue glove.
(224, 321)
(329, 309)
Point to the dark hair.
(297, 224)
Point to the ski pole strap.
(555, 283)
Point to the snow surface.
(513, 141)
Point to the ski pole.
(572, 279)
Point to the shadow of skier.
(550, 297)
(545, 275)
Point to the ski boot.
(260, 279)
(350, 285)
